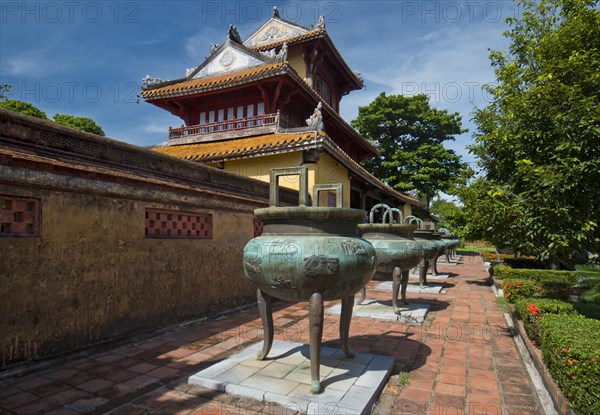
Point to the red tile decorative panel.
(258, 227)
(19, 216)
(176, 224)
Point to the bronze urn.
(397, 250)
(309, 254)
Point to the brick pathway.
(462, 360)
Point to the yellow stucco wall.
(327, 170)
(295, 59)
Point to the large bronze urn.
(451, 243)
(441, 245)
(308, 254)
(430, 252)
(397, 251)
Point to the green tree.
(4, 90)
(451, 215)
(538, 141)
(79, 123)
(410, 135)
(23, 107)
(489, 214)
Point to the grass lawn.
(476, 248)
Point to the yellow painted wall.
(260, 167)
(331, 171)
(327, 170)
(407, 211)
(297, 62)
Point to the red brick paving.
(462, 359)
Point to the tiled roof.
(308, 36)
(242, 147)
(203, 84)
(275, 144)
(291, 40)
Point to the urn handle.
(301, 172)
(411, 219)
(378, 206)
(391, 211)
(338, 188)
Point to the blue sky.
(88, 58)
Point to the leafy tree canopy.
(23, 107)
(538, 142)
(450, 214)
(410, 135)
(79, 123)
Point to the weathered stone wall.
(92, 274)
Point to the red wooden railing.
(225, 125)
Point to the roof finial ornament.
(275, 11)
(149, 81)
(233, 34)
(282, 55)
(321, 22)
(316, 119)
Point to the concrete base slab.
(413, 313)
(444, 263)
(431, 277)
(350, 386)
(413, 287)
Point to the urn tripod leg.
(404, 285)
(266, 315)
(396, 275)
(423, 272)
(362, 295)
(345, 318)
(315, 317)
(434, 266)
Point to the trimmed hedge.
(506, 272)
(571, 350)
(515, 289)
(532, 310)
(547, 283)
(519, 289)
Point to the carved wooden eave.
(167, 98)
(274, 144)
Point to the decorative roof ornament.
(269, 53)
(189, 71)
(282, 55)
(359, 76)
(321, 23)
(149, 81)
(214, 47)
(276, 12)
(233, 34)
(316, 119)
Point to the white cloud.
(156, 128)
(198, 46)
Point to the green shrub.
(553, 284)
(500, 271)
(571, 350)
(524, 263)
(506, 272)
(532, 310)
(519, 289)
